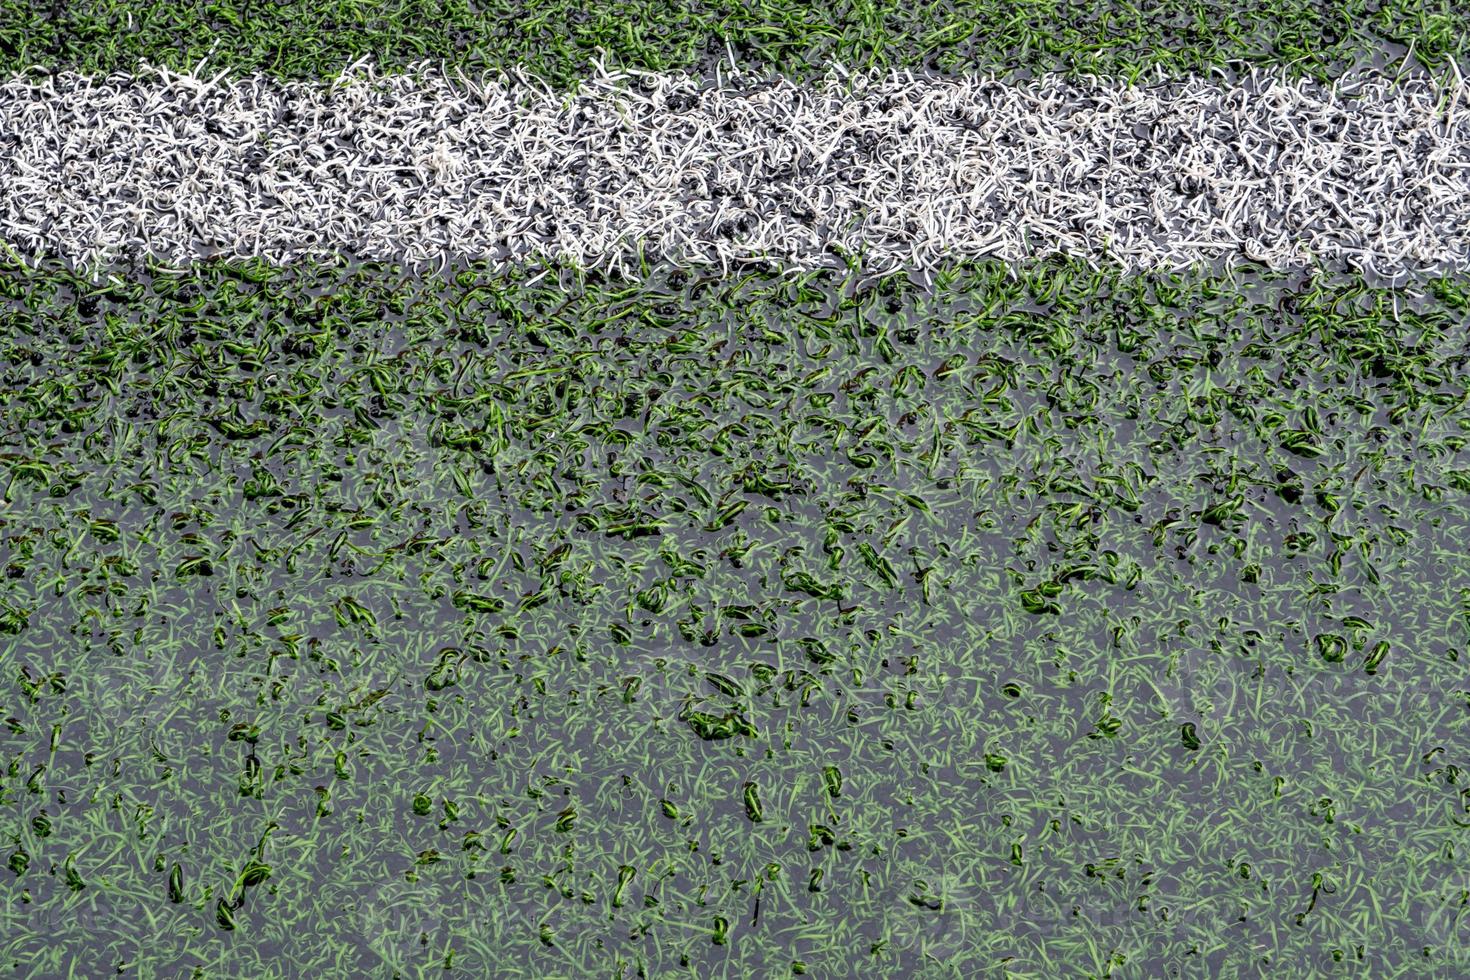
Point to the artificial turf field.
(1015, 619)
(555, 39)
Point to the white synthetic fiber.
(1370, 173)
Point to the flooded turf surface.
(1079, 624)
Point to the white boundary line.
(1372, 173)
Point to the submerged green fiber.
(1072, 624)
